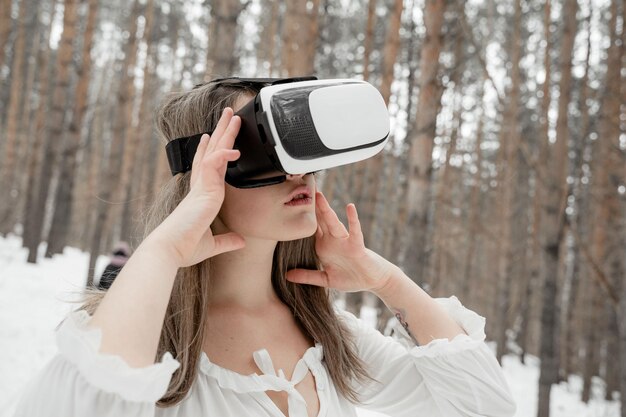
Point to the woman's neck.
(243, 277)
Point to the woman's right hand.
(186, 232)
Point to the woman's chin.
(295, 233)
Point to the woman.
(234, 284)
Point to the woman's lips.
(300, 202)
(303, 189)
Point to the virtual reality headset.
(297, 126)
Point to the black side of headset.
(258, 157)
(180, 151)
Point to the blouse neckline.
(312, 357)
(270, 380)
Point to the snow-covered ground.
(33, 300)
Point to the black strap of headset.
(180, 152)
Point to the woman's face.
(262, 213)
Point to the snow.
(35, 298)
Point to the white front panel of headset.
(348, 115)
(300, 166)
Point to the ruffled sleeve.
(448, 378)
(81, 381)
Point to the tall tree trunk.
(554, 210)
(539, 163)
(313, 40)
(373, 166)
(131, 166)
(622, 232)
(393, 187)
(390, 50)
(299, 39)
(581, 198)
(9, 163)
(32, 229)
(591, 316)
(5, 27)
(96, 160)
(25, 133)
(222, 61)
(162, 171)
(412, 51)
(104, 223)
(154, 150)
(369, 38)
(273, 34)
(445, 184)
(507, 179)
(422, 140)
(474, 210)
(267, 46)
(609, 135)
(62, 209)
(55, 123)
(474, 218)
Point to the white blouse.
(448, 378)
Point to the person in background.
(121, 253)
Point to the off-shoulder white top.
(448, 378)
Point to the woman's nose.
(295, 176)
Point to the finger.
(354, 225)
(228, 242)
(227, 140)
(217, 162)
(307, 276)
(202, 145)
(227, 114)
(336, 228)
(197, 158)
(320, 220)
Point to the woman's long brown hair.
(184, 114)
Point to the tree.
(123, 113)
(131, 165)
(300, 33)
(421, 140)
(554, 212)
(57, 238)
(374, 166)
(369, 37)
(32, 232)
(221, 61)
(7, 173)
(55, 123)
(5, 27)
(611, 178)
(507, 178)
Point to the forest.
(503, 182)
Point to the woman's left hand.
(347, 265)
